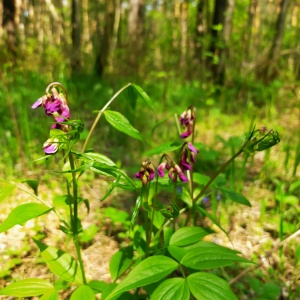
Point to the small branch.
(268, 254)
(100, 114)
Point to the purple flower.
(188, 157)
(51, 146)
(161, 169)
(184, 163)
(55, 104)
(187, 120)
(146, 172)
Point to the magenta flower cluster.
(187, 155)
(187, 120)
(146, 172)
(55, 104)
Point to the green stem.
(75, 217)
(202, 192)
(100, 114)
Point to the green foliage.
(164, 254)
(22, 213)
(27, 288)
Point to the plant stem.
(100, 114)
(202, 192)
(75, 217)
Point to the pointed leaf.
(150, 270)
(188, 235)
(97, 286)
(143, 95)
(120, 262)
(236, 197)
(60, 263)
(33, 184)
(174, 288)
(27, 288)
(83, 292)
(21, 214)
(202, 210)
(177, 252)
(201, 179)
(135, 212)
(209, 287)
(6, 191)
(51, 295)
(118, 121)
(168, 147)
(206, 255)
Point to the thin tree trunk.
(218, 72)
(135, 30)
(114, 38)
(105, 39)
(184, 34)
(9, 25)
(280, 24)
(76, 36)
(249, 27)
(269, 69)
(199, 33)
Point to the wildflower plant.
(166, 256)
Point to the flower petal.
(39, 102)
(192, 148)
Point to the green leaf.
(150, 270)
(236, 197)
(135, 212)
(120, 262)
(97, 286)
(209, 287)
(201, 179)
(188, 235)
(207, 255)
(143, 95)
(174, 288)
(27, 288)
(21, 214)
(168, 147)
(119, 122)
(60, 263)
(177, 252)
(51, 295)
(6, 191)
(98, 157)
(83, 292)
(202, 210)
(33, 184)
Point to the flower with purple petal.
(188, 157)
(51, 146)
(55, 104)
(146, 172)
(187, 120)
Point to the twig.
(268, 254)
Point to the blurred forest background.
(225, 54)
(236, 61)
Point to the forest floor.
(253, 234)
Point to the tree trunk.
(218, 71)
(269, 69)
(106, 38)
(184, 35)
(76, 36)
(135, 31)
(280, 24)
(248, 30)
(9, 24)
(199, 33)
